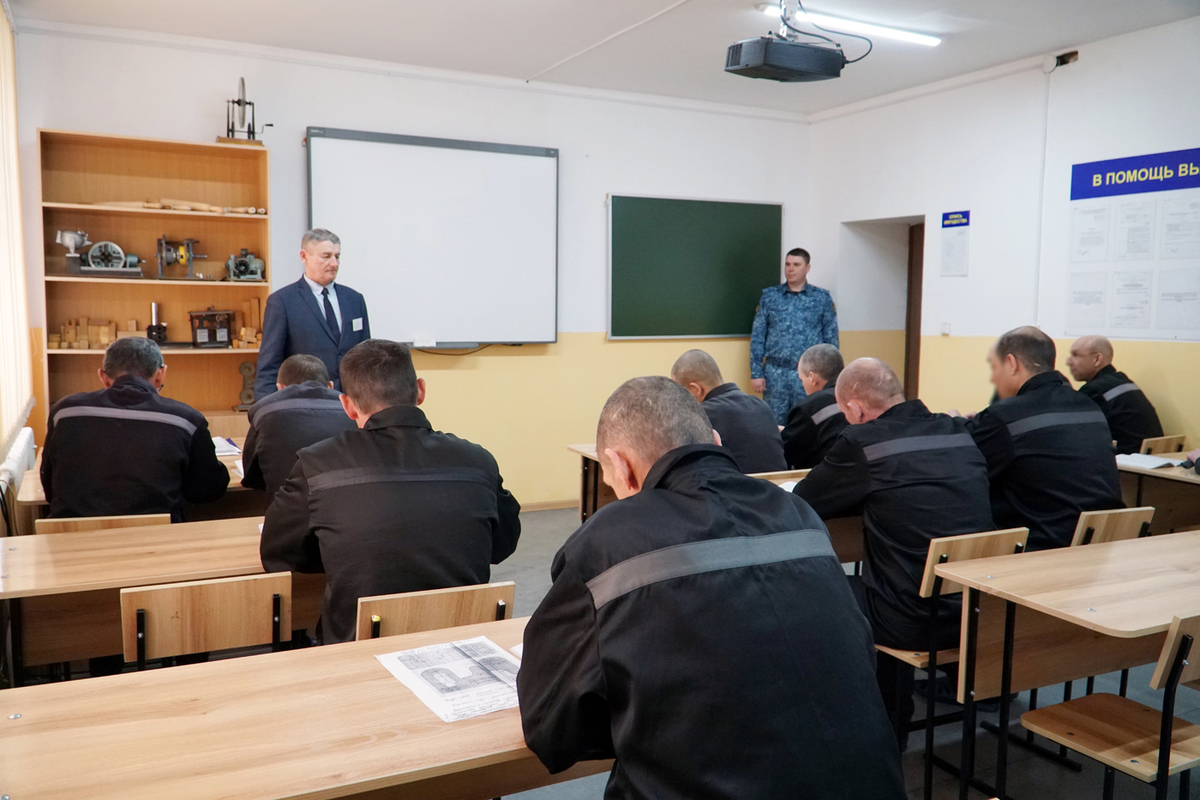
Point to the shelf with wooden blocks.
(134, 192)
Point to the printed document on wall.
(956, 243)
(1133, 259)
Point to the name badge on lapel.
(356, 324)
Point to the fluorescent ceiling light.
(849, 26)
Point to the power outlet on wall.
(945, 329)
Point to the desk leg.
(1010, 615)
(589, 488)
(967, 769)
(16, 661)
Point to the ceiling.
(674, 48)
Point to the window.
(16, 390)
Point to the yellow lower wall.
(954, 374)
(526, 404)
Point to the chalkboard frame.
(765, 279)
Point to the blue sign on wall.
(956, 219)
(1158, 172)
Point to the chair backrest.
(1189, 626)
(78, 524)
(412, 612)
(968, 547)
(1162, 445)
(183, 618)
(1112, 526)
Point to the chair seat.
(919, 659)
(1116, 731)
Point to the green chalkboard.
(690, 267)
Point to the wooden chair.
(945, 551)
(1162, 445)
(83, 524)
(412, 612)
(177, 619)
(1125, 735)
(1096, 527)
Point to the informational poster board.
(956, 244)
(1134, 248)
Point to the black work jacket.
(812, 427)
(916, 477)
(394, 507)
(282, 424)
(747, 427)
(1049, 454)
(1130, 414)
(703, 633)
(128, 450)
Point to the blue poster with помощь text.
(1158, 172)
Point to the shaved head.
(1089, 355)
(650, 417)
(866, 388)
(697, 366)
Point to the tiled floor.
(1030, 777)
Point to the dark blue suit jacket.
(293, 322)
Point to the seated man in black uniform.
(125, 449)
(915, 476)
(305, 410)
(1130, 414)
(1048, 448)
(701, 631)
(745, 423)
(394, 507)
(814, 423)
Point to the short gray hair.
(133, 355)
(317, 235)
(823, 359)
(652, 416)
(872, 383)
(699, 367)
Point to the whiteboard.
(452, 243)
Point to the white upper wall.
(981, 146)
(176, 89)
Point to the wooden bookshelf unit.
(79, 171)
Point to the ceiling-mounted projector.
(784, 60)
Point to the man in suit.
(313, 316)
(916, 477)
(1048, 447)
(394, 507)
(1130, 414)
(745, 423)
(701, 630)
(305, 410)
(814, 423)
(125, 449)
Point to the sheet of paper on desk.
(237, 467)
(788, 486)
(1142, 461)
(225, 447)
(458, 680)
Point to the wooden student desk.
(1038, 619)
(237, 502)
(63, 589)
(594, 493)
(1173, 491)
(322, 722)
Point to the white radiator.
(20, 457)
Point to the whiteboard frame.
(453, 144)
(608, 264)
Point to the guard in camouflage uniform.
(790, 318)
